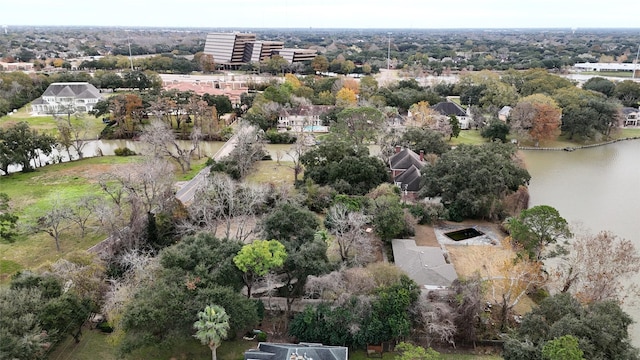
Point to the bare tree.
(162, 141)
(270, 283)
(142, 269)
(340, 285)
(468, 302)
(441, 125)
(522, 118)
(507, 278)
(221, 200)
(295, 153)
(597, 268)
(387, 138)
(162, 108)
(137, 191)
(435, 321)
(348, 229)
(83, 272)
(84, 211)
(55, 220)
(249, 149)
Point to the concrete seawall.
(572, 148)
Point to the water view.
(598, 188)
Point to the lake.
(598, 188)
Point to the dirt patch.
(425, 236)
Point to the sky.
(357, 14)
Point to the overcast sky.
(359, 14)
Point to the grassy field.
(31, 194)
(47, 123)
(270, 172)
(471, 137)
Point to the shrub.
(276, 137)
(124, 152)
(261, 336)
(427, 213)
(105, 327)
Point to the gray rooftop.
(425, 265)
(275, 351)
(449, 108)
(404, 159)
(410, 178)
(81, 90)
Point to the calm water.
(598, 188)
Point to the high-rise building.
(296, 55)
(234, 49)
(228, 48)
(262, 50)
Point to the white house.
(303, 119)
(503, 114)
(631, 116)
(62, 97)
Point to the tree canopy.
(537, 228)
(258, 258)
(344, 166)
(195, 272)
(427, 140)
(20, 145)
(473, 180)
(602, 330)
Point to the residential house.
(631, 116)
(448, 108)
(302, 351)
(64, 97)
(426, 265)
(405, 167)
(503, 114)
(16, 66)
(303, 119)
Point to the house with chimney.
(405, 165)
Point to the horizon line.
(570, 28)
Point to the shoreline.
(572, 148)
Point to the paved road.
(188, 191)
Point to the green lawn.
(269, 172)
(47, 123)
(31, 194)
(471, 137)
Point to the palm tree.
(212, 327)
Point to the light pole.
(389, 52)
